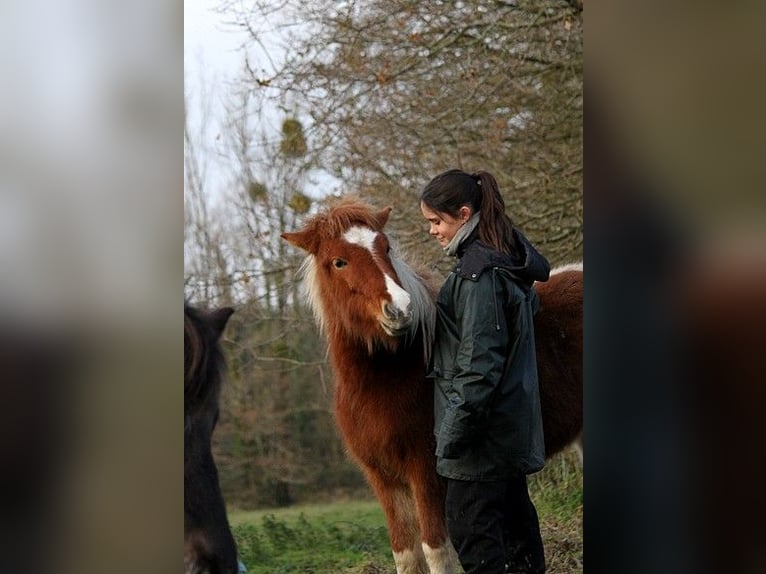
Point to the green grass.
(342, 537)
(350, 537)
(557, 492)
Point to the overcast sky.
(208, 38)
(211, 59)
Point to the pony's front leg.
(429, 493)
(399, 508)
(578, 443)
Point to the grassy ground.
(351, 538)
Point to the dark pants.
(494, 526)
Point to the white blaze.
(399, 297)
(365, 237)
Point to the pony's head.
(356, 285)
(208, 543)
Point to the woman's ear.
(465, 213)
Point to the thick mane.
(308, 272)
(195, 357)
(423, 306)
(342, 215)
(202, 360)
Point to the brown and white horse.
(378, 316)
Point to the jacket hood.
(528, 266)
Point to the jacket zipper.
(497, 316)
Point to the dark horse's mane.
(203, 359)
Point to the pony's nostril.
(390, 311)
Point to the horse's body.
(378, 316)
(558, 340)
(208, 543)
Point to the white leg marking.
(578, 448)
(408, 562)
(440, 559)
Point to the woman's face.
(443, 226)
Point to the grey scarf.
(466, 230)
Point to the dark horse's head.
(208, 544)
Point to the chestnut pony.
(378, 316)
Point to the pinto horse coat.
(378, 316)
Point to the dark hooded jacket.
(488, 423)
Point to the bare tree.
(276, 435)
(397, 91)
(205, 266)
(380, 96)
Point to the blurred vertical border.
(675, 302)
(91, 220)
(91, 261)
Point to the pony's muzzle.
(395, 321)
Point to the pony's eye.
(339, 263)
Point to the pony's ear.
(303, 239)
(382, 217)
(219, 317)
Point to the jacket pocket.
(454, 435)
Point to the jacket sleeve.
(488, 337)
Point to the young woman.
(487, 404)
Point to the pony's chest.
(371, 418)
(359, 410)
(383, 404)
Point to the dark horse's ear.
(382, 217)
(306, 240)
(218, 319)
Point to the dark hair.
(451, 190)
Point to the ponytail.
(495, 227)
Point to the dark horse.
(208, 543)
(378, 316)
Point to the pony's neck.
(361, 359)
